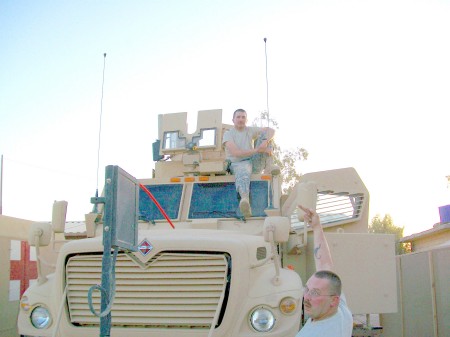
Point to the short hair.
(335, 281)
(237, 111)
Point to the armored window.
(167, 195)
(220, 200)
(172, 140)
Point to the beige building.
(423, 287)
(435, 237)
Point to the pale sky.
(357, 83)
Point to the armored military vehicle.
(172, 255)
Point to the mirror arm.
(37, 235)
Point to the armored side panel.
(200, 152)
(366, 264)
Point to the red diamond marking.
(145, 247)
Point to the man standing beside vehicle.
(323, 300)
(249, 152)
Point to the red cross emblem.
(145, 247)
(23, 270)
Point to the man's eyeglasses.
(314, 292)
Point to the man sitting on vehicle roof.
(249, 151)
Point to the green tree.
(285, 159)
(386, 226)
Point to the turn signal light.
(288, 305)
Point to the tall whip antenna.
(100, 126)
(1, 186)
(267, 84)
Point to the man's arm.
(235, 151)
(322, 256)
(269, 133)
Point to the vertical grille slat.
(172, 290)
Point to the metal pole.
(105, 321)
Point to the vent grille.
(261, 253)
(334, 208)
(173, 290)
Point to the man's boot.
(271, 168)
(244, 206)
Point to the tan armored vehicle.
(185, 262)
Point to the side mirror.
(40, 234)
(279, 226)
(59, 216)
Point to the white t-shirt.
(243, 140)
(338, 325)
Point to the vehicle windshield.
(220, 200)
(209, 200)
(167, 195)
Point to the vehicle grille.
(172, 290)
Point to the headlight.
(262, 320)
(40, 318)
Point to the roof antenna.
(267, 84)
(270, 206)
(1, 185)
(100, 129)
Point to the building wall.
(8, 309)
(424, 296)
(427, 242)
